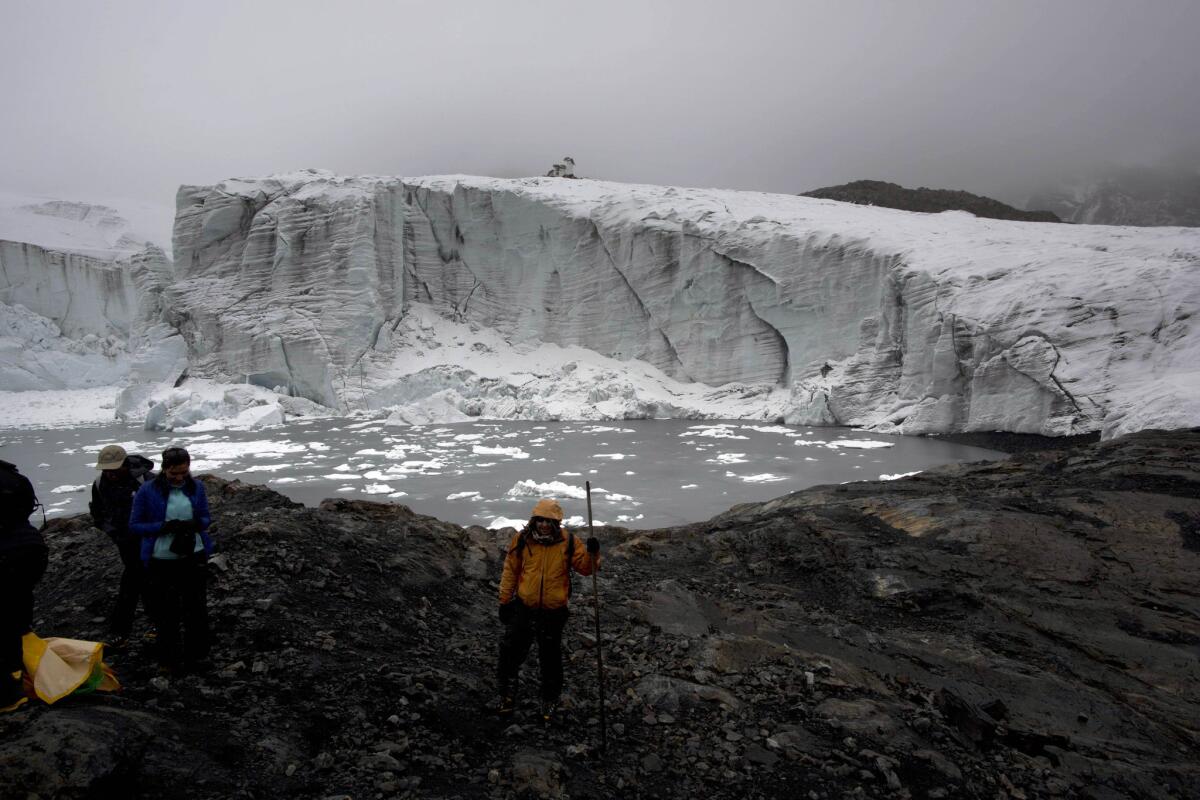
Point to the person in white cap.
(121, 475)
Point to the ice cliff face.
(287, 282)
(450, 297)
(918, 323)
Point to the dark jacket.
(150, 511)
(112, 501)
(17, 502)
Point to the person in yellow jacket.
(534, 591)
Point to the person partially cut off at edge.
(534, 591)
(23, 560)
(171, 515)
(121, 475)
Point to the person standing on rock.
(534, 591)
(23, 560)
(171, 515)
(121, 476)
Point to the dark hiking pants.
(20, 570)
(178, 594)
(133, 582)
(526, 626)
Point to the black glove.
(593, 545)
(507, 610)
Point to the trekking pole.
(596, 607)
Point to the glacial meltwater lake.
(644, 473)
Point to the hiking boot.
(508, 705)
(12, 693)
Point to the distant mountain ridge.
(893, 195)
(1141, 196)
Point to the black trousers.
(20, 570)
(526, 626)
(133, 585)
(178, 593)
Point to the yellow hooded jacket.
(538, 574)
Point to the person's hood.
(548, 508)
(139, 465)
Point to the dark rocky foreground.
(1023, 628)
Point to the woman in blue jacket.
(171, 515)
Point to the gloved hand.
(507, 610)
(593, 545)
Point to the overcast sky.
(131, 99)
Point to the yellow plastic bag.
(56, 667)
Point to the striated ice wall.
(913, 322)
(916, 323)
(286, 282)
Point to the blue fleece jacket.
(150, 511)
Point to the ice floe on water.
(728, 458)
(464, 496)
(511, 452)
(531, 488)
(68, 489)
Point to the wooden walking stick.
(596, 607)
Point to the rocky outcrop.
(925, 200)
(1018, 628)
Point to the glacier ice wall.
(286, 282)
(916, 323)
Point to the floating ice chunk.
(464, 496)
(531, 488)
(283, 480)
(768, 429)
(343, 468)
(765, 477)
(377, 488)
(728, 458)
(571, 474)
(263, 468)
(346, 489)
(619, 498)
(690, 486)
(511, 452)
(716, 432)
(469, 437)
(67, 490)
(809, 458)
(343, 476)
(859, 444)
(577, 521)
(614, 456)
(320, 447)
(899, 475)
(397, 494)
(506, 522)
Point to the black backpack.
(17, 500)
